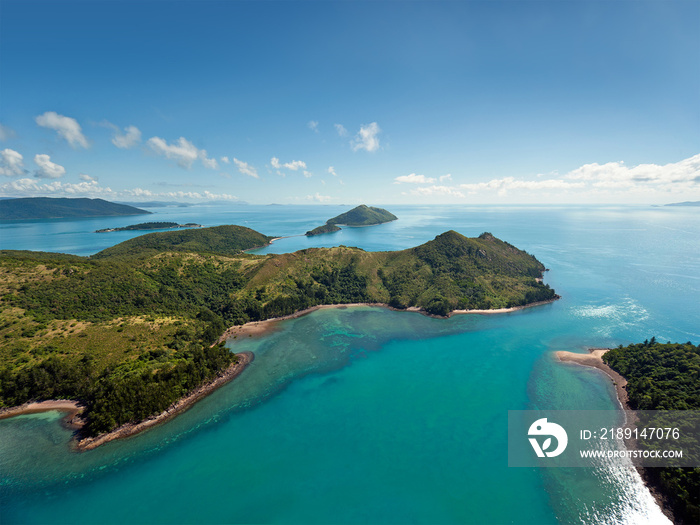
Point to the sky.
(377, 102)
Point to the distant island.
(686, 203)
(63, 208)
(137, 328)
(150, 226)
(359, 216)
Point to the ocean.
(365, 415)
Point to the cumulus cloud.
(313, 125)
(225, 160)
(87, 178)
(331, 170)
(317, 197)
(508, 184)
(6, 133)
(130, 138)
(30, 187)
(427, 191)
(366, 138)
(414, 179)
(11, 163)
(182, 151)
(245, 168)
(341, 130)
(66, 127)
(47, 169)
(294, 165)
(307, 174)
(445, 177)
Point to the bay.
(363, 415)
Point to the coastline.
(256, 328)
(74, 409)
(181, 405)
(594, 359)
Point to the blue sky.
(351, 102)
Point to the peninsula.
(656, 376)
(133, 329)
(150, 226)
(63, 208)
(360, 216)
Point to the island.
(656, 376)
(686, 203)
(62, 208)
(150, 226)
(135, 329)
(360, 216)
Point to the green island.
(664, 376)
(133, 328)
(360, 216)
(160, 225)
(62, 208)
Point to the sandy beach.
(595, 359)
(257, 328)
(73, 409)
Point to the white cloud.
(66, 127)
(341, 130)
(318, 197)
(87, 178)
(48, 169)
(31, 187)
(307, 174)
(508, 184)
(182, 151)
(295, 165)
(11, 163)
(426, 191)
(245, 168)
(225, 160)
(366, 138)
(313, 125)
(414, 179)
(130, 138)
(6, 133)
(445, 177)
(331, 170)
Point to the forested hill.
(360, 216)
(665, 377)
(129, 331)
(60, 208)
(222, 240)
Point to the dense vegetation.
(665, 377)
(159, 225)
(57, 208)
(360, 216)
(129, 330)
(224, 240)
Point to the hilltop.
(129, 331)
(360, 216)
(63, 208)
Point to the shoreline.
(594, 359)
(75, 408)
(180, 406)
(257, 328)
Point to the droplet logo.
(542, 427)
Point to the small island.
(150, 226)
(360, 216)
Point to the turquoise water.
(363, 415)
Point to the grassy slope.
(105, 328)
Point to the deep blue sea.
(364, 415)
